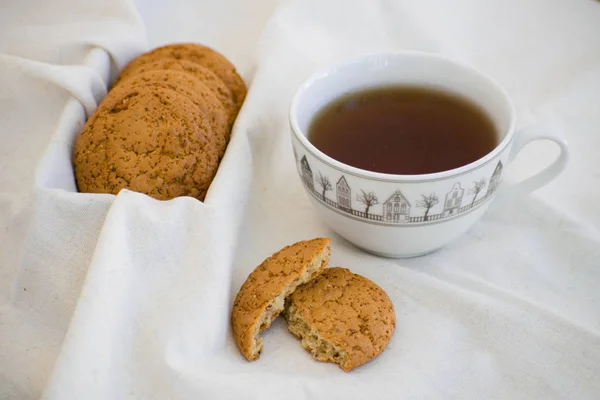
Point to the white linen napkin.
(114, 297)
(48, 235)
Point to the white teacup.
(410, 215)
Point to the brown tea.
(403, 130)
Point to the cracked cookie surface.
(341, 317)
(151, 140)
(184, 84)
(201, 55)
(205, 75)
(261, 298)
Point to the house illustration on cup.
(396, 208)
(307, 175)
(344, 194)
(453, 199)
(495, 179)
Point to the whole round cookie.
(148, 139)
(201, 55)
(187, 85)
(341, 317)
(261, 298)
(205, 75)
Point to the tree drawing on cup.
(368, 199)
(476, 189)
(427, 202)
(325, 184)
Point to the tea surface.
(403, 130)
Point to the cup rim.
(323, 72)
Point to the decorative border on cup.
(396, 209)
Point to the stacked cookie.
(163, 128)
(340, 317)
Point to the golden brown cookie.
(148, 139)
(188, 86)
(201, 55)
(205, 75)
(341, 317)
(261, 298)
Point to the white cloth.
(114, 297)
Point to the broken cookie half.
(262, 297)
(341, 317)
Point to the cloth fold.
(81, 82)
(114, 297)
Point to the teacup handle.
(522, 139)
